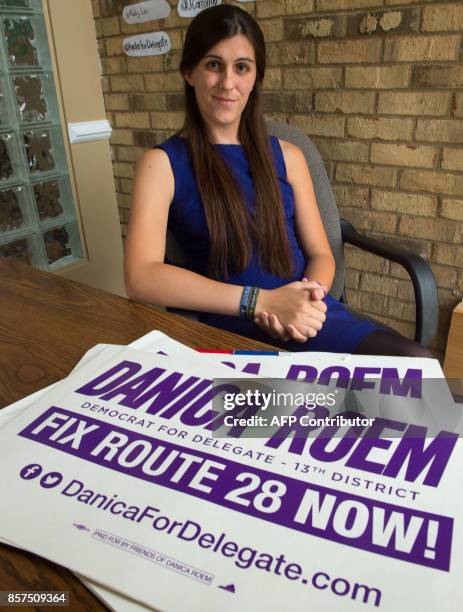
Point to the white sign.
(190, 8)
(153, 43)
(117, 474)
(146, 11)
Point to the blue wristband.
(248, 302)
(244, 302)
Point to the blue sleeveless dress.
(342, 330)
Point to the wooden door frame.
(77, 71)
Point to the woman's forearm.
(168, 285)
(321, 268)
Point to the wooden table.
(47, 323)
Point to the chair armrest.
(424, 283)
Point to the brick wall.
(377, 84)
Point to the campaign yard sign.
(118, 473)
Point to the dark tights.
(388, 343)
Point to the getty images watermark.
(258, 408)
(263, 401)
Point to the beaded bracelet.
(248, 302)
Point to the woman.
(242, 207)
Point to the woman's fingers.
(311, 317)
(317, 294)
(277, 328)
(309, 331)
(271, 325)
(306, 326)
(320, 307)
(262, 321)
(295, 334)
(313, 322)
(315, 285)
(309, 286)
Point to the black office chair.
(340, 232)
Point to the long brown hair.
(232, 228)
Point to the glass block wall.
(37, 214)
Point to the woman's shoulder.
(154, 160)
(153, 170)
(290, 151)
(294, 157)
(165, 155)
(159, 160)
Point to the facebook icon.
(31, 471)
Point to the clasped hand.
(295, 311)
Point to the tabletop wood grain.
(47, 323)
